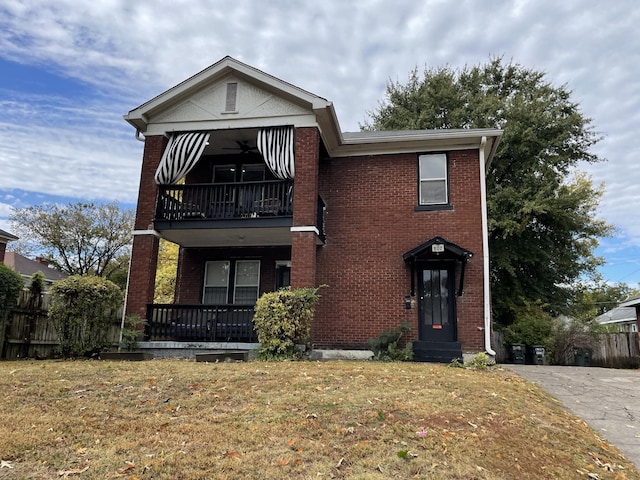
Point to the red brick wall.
(370, 223)
(305, 201)
(144, 254)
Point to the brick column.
(144, 254)
(305, 204)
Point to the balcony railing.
(200, 323)
(225, 201)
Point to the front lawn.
(178, 419)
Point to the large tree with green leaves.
(79, 238)
(543, 227)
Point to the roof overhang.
(321, 114)
(631, 302)
(437, 249)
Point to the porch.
(200, 323)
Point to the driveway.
(607, 399)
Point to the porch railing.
(202, 323)
(225, 200)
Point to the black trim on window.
(434, 207)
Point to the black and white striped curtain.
(276, 146)
(182, 153)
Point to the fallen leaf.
(231, 455)
(75, 471)
(130, 466)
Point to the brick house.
(255, 181)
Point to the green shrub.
(83, 309)
(386, 346)
(11, 284)
(132, 331)
(283, 321)
(533, 326)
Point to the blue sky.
(70, 69)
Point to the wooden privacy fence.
(617, 350)
(30, 334)
(614, 350)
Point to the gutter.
(485, 250)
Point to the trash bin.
(582, 358)
(536, 355)
(517, 352)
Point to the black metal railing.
(200, 323)
(225, 200)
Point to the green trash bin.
(517, 352)
(582, 358)
(537, 355)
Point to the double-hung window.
(227, 282)
(216, 283)
(247, 282)
(433, 179)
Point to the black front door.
(436, 290)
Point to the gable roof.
(444, 249)
(618, 315)
(189, 106)
(27, 267)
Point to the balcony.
(226, 214)
(199, 323)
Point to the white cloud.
(343, 51)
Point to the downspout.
(485, 249)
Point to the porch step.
(439, 352)
(223, 356)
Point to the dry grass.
(177, 419)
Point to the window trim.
(446, 205)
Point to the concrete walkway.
(607, 399)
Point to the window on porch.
(231, 282)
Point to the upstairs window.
(433, 179)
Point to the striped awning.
(181, 154)
(276, 146)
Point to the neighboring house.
(633, 302)
(27, 267)
(275, 195)
(622, 319)
(5, 237)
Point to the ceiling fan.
(243, 147)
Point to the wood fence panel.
(617, 350)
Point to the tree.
(166, 272)
(543, 227)
(595, 299)
(79, 238)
